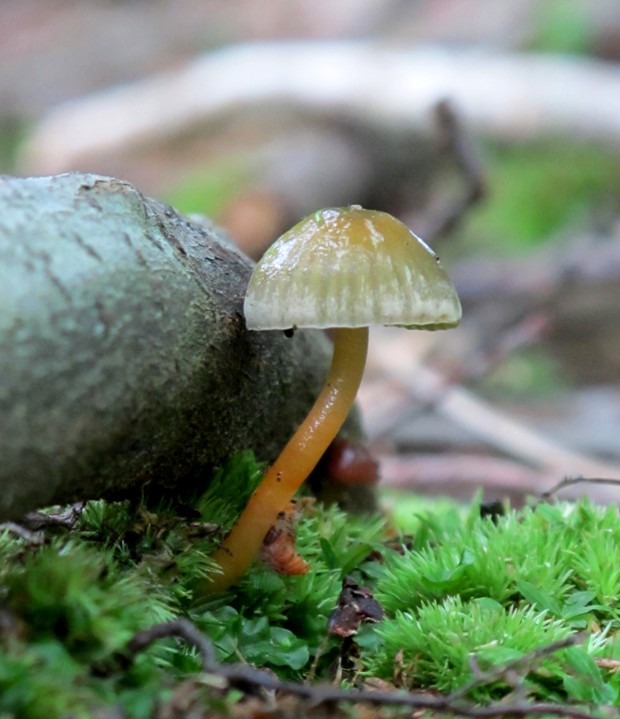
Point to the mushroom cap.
(350, 267)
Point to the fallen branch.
(456, 142)
(507, 96)
(412, 380)
(245, 677)
(504, 432)
(572, 481)
(125, 366)
(574, 283)
(179, 628)
(460, 475)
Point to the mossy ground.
(462, 594)
(540, 193)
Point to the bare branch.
(571, 481)
(526, 662)
(461, 406)
(125, 365)
(511, 96)
(180, 628)
(459, 145)
(246, 677)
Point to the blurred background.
(492, 128)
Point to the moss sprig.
(477, 593)
(436, 644)
(467, 595)
(480, 558)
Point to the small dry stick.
(182, 629)
(63, 518)
(527, 662)
(570, 481)
(459, 144)
(246, 677)
(22, 532)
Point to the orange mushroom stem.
(347, 268)
(298, 458)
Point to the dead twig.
(497, 428)
(22, 532)
(246, 677)
(571, 481)
(458, 144)
(181, 629)
(61, 518)
(503, 95)
(460, 474)
(525, 663)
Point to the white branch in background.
(510, 96)
(464, 409)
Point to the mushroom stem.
(296, 461)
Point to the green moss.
(472, 587)
(538, 190)
(437, 643)
(476, 559)
(211, 189)
(76, 600)
(12, 131)
(335, 545)
(77, 595)
(72, 609)
(555, 557)
(465, 587)
(562, 26)
(229, 490)
(526, 374)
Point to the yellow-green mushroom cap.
(350, 267)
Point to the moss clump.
(209, 190)
(562, 26)
(438, 641)
(70, 604)
(69, 607)
(540, 190)
(473, 592)
(464, 592)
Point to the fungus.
(346, 269)
(350, 463)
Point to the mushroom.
(344, 268)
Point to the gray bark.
(125, 365)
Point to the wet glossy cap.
(350, 267)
